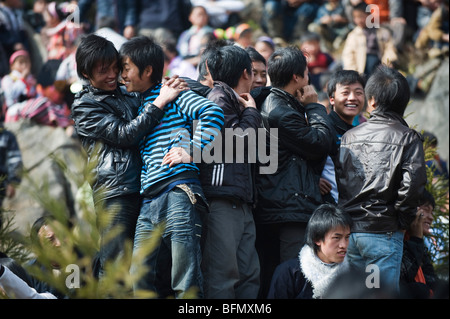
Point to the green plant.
(438, 186)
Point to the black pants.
(276, 243)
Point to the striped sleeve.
(192, 121)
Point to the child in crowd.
(19, 84)
(48, 107)
(366, 47)
(319, 62)
(191, 41)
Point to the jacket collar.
(100, 95)
(379, 115)
(292, 101)
(318, 273)
(156, 87)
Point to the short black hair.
(144, 51)
(324, 218)
(284, 63)
(389, 88)
(362, 6)
(427, 197)
(228, 64)
(92, 50)
(255, 55)
(210, 51)
(344, 77)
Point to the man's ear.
(148, 71)
(371, 105)
(245, 74)
(331, 99)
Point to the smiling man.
(346, 93)
(109, 129)
(320, 260)
(170, 181)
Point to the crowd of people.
(151, 90)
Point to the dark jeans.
(174, 264)
(123, 212)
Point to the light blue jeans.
(174, 265)
(378, 254)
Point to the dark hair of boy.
(228, 64)
(94, 49)
(325, 218)
(144, 51)
(344, 77)
(255, 55)
(389, 88)
(285, 62)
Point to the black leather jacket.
(305, 137)
(110, 131)
(381, 173)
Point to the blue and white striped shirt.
(178, 128)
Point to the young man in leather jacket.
(381, 176)
(288, 197)
(110, 129)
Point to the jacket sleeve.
(412, 256)
(310, 139)
(16, 288)
(96, 122)
(412, 183)
(207, 114)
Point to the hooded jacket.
(381, 173)
(110, 131)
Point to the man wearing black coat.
(288, 196)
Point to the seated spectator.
(19, 85)
(191, 41)
(59, 33)
(434, 37)
(265, 46)
(288, 19)
(331, 24)
(222, 13)
(13, 36)
(319, 63)
(49, 107)
(174, 64)
(242, 35)
(418, 279)
(163, 19)
(365, 48)
(320, 261)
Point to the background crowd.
(39, 80)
